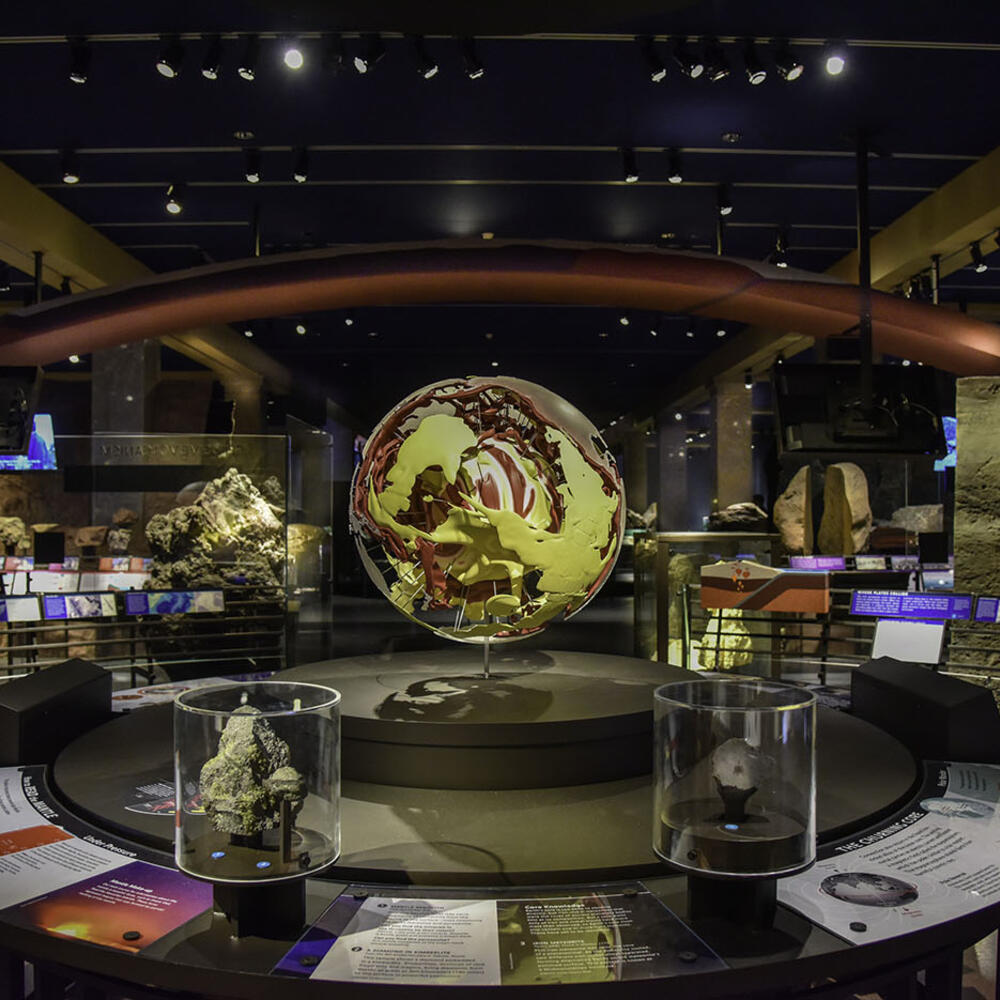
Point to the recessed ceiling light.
(494, 364)
(300, 329)
(678, 415)
(690, 334)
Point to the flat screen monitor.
(41, 451)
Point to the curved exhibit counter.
(496, 835)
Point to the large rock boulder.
(229, 535)
(738, 517)
(793, 514)
(847, 514)
(14, 535)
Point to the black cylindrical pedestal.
(747, 902)
(276, 910)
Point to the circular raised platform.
(540, 719)
(582, 831)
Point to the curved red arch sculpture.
(460, 271)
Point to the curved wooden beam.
(460, 271)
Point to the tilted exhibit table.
(521, 888)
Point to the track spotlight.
(349, 319)
(630, 170)
(691, 64)
(334, 56)
(171, 57)
(623, 319)
(835, 57)
(426, 66)
(716, 63)
(292, 56)
(70, 168)
(213, 58)
(247, 66)
(74, 359)
(748, 379)
(66, 285)
(300, 329)
(474, 69)
(248, 330)
(756, 73)
(674, 174)
(721, 332)
(926, 287)
(372, 50)
(175, 199)
(723, 200)
(5, 282)
(654, 64)
(779, 258)
(978, 264)
(300, 172)
(79, 60)
(788, 66)
(252, 166)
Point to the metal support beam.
(965, 209)
(32, 224)
(864, 273)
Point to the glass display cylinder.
(257, 780)
(735, 777)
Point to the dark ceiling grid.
(530, 150)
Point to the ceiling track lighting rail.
(939, 45)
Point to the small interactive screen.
(41, 454)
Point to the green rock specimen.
(244, 785)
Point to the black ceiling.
(530, 150)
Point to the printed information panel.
(59, 875)
(174, 602)
(906, 604)
(606, 934)
(813, 563)
(988, 609)
(923, 866)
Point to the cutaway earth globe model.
(484, 508)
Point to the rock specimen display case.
(244, 516)
(734, 783)
(257, 776)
